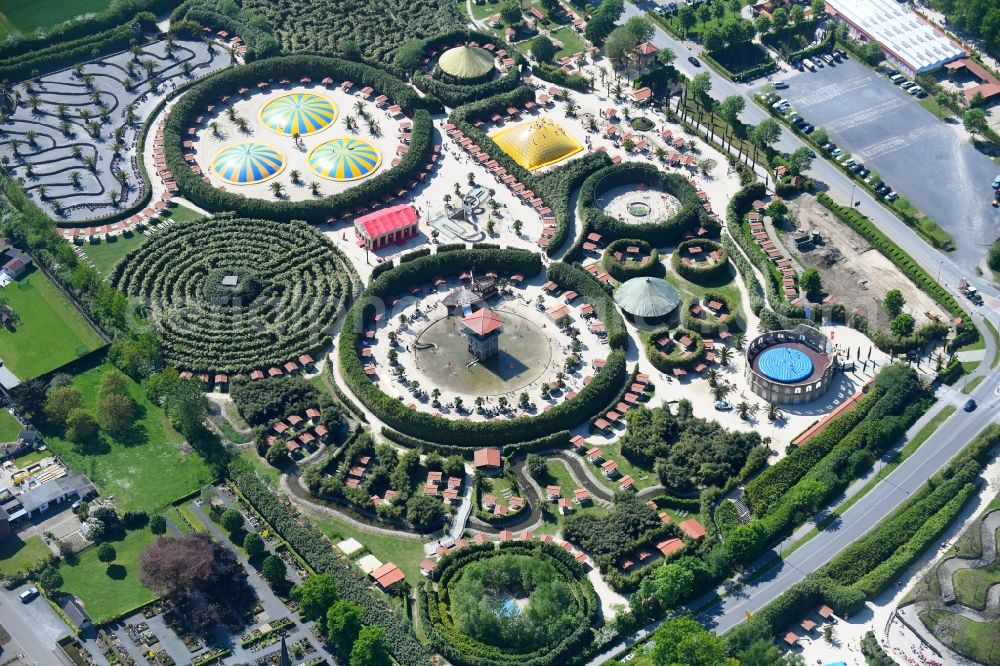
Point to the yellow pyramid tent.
(466, 62)
(537, 143)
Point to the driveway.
(929, 162)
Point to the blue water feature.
(785, 365)
(509, 608)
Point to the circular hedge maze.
(236, 295)
(524, 603)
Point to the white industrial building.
(907, 40)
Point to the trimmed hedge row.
(60, 55)
(554, 441)
(473, 433)
(260, 44)
(464, 650)
(316, 211)
(667, 362)
(554, 187)
(750, 281)
(590, 290)
(904, 262)
(739, 206)
(626, 270)
(309, 543)
(700, 273)
(660, 232)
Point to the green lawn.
(26, 16)
(185, 518)
(30, 458)
(571, 41)
(971, 585)
(181, 214)
(16, 555)
(405, 553)
(9, 427)
(976, 640)
(51, 334)
(265, 470)
(147, 474)
(104, 595)
(557, 474)
(105, 255)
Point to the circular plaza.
(297, 142)
(638, 204)
(790, 367)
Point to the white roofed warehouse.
(907, 40)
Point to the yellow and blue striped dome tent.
(248, 163)
(298, 113)
(344, 158)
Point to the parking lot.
(923, 159)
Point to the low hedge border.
(626, 270)
(472, 434)
(710, 324)
(315, 211)
(463, 650)
(698, 273)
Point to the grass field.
(16, 555)
(971, 585)
(9, 427)
(106, 255)
(104, 595)
(146, 474)
(26, 16)
(51, 334)
(571, 42)
(405, 553)
(557, 474)
(978, 641)
(185, 518)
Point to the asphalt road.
(885, 128)
(34, 628)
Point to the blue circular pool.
(509, 608)
(785, 365)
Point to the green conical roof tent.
(466, 62)
(647, 297)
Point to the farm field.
(26, 16)
(147, 474)
(51, 334)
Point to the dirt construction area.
(854, 273)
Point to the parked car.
(781, 85)
(996, 182)
(723, 406)
(694, 61)
(28, 595)
(970, 405)
(836, 152)
(892, 196)
(906, 85)
(808, 128)
(864, 172)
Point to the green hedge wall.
(313, 210)
(710, 326)
(667, 362)
(554, 441)
(626, 270)
(473, 434)
(260, 44)
(317, 552)
(698, 273)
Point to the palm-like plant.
(276, 189)
(114, 197)
(74, 178)
(214, 126)
(32, 137)
(725, 354)
(774, 412)
(41, 191)
(359, 108)
(294, 175)
(350, 122)
(720, 391)
(712, 375)
(660, 152)
(739, 341)
(314, 188)
(62, 110)
(743, 410)
(374, 128)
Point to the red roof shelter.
(387, 226)
(483, 322)
(487, 458)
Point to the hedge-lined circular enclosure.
(672, 354)
(622, 268)
(660, 232)
(709, 323)
(596, 397)
(524, 604)
(700, 267)
(233, 295)
(227, 82)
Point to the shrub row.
(311, 546)
(474, 433)
(750, 281)
(904, 262)
(726, 517)
(668, 362)
(874, 654)
(623, 270)
(590, 290)
(316, 211)
(555, 74)
(260, 43)
(554, 441)
(739, 206)
(701, 272)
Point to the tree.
(343, 624)
(779, 17)
(818, 7)
(684, 641)
(820, 137)
(811, 283)
(551, 7)
(893, 302)
(542, 49)
(510, 12)
(619, 45)
(81, 427)
(797, 14)
(800, 160)
(253, 545)
(974, 121)
(762, 23)
(871, 52)
(157, 524)
(767, 132)
(744, 541)
(730, 109)
(673, 583)
(536, 466)
(640, 27)
(106, 552)
(59, 402)
(315, 595)
(666, 56)
(902, 325)
(424, 511)
(409, 55)
(350, 50)
(231, 520)
(699, 87)
(712, 39)
(273, 569)
(368, 649)
(50, 579)
(187, 407)
(116, 414)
